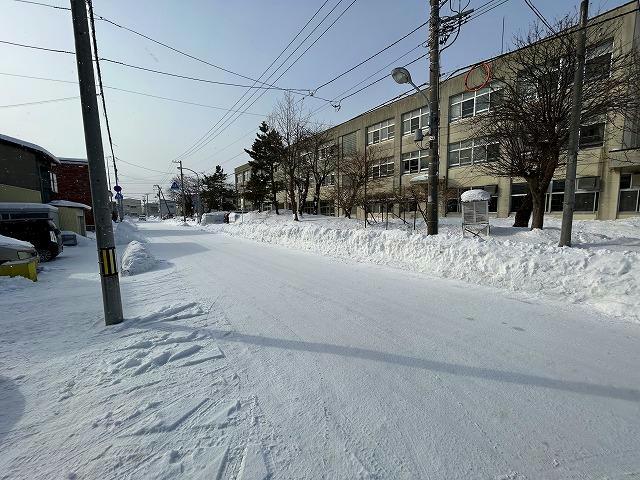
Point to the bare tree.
(527, 126)
(321, 158)
(354, 170)
(190, 192)
(291, 121)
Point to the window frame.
(418, 113)
(422, 158)
(472, 145)
(464, 97)
(630, 188)
(384, 131)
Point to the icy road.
(250, 361)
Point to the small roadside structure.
(72, 216)
(475, 212)
(213, 217)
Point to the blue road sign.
(175, 186)
(117, 188)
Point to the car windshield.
(346, 239)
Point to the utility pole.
(112, 302)
(184, 197)
(434, 116)
(574, 132)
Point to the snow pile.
(518, 260)
(476, 195)
(137, 259)
(127, 232)
(13, 242)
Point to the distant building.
(132, 207)
(27, 172)
(74, 184)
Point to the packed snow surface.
(603, 271)
(13, 242)
(242, 360)
(477, 195)
(137, 259)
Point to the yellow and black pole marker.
(108, 263)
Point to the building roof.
(69, 204)
(15, 206)
(74, 161)
(29, 146)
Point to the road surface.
(359, 371)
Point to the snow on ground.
(240, 360)
(126, 232)
(137, 259)
(602, 272)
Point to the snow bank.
(518, 260)
(13, 242)
(476, 195)
(137, 259)
(127, 232)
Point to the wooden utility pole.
(112, 302)
(574, 132)
(434, 118)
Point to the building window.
(417, 119)
(329, 180)
(414, 162)
(53, 180)
(587, 195)
(384, 168)
(592, 135)
(629, 193)
(349, 146)
(598, 61)
(380, 132)
(469, 104)
(473, 151)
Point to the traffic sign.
(117, 188)
(175, 186)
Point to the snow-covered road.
(251, 361)
(363, 371)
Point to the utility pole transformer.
(110, 281)
(574, 132)
(434, 117)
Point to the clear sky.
(243, 36)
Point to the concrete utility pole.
(434, 116)
(110, 281)
(574, 132)
(184, 197)
(199, 206)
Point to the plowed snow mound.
(137, 259)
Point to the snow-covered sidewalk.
(603, 272)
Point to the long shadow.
(11, 406)
(183, 232)
(505, 376)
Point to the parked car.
(42, 233)
(18, 258)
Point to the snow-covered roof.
(13, 242)
(29, 146)
(476, 195)
(74, 161)
(15, 206)
(70, 204)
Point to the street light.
(199, 197)
(401, 75)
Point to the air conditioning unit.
(635, 180)
(589, 184)
(492, 189)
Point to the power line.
(370, 57)
(42, 4)
(104, 104)
(217, 134)
(198, 143)
(36, 47)
(40, 102)
(133, 92)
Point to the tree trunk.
(316, 199)
(538, 210)
(524, 212)
(292, 194)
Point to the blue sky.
(241, 36)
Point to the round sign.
(117, 188)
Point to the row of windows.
(383, 169)
(380, 132)
(470, 152)
(469, 104)
(587, 195)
